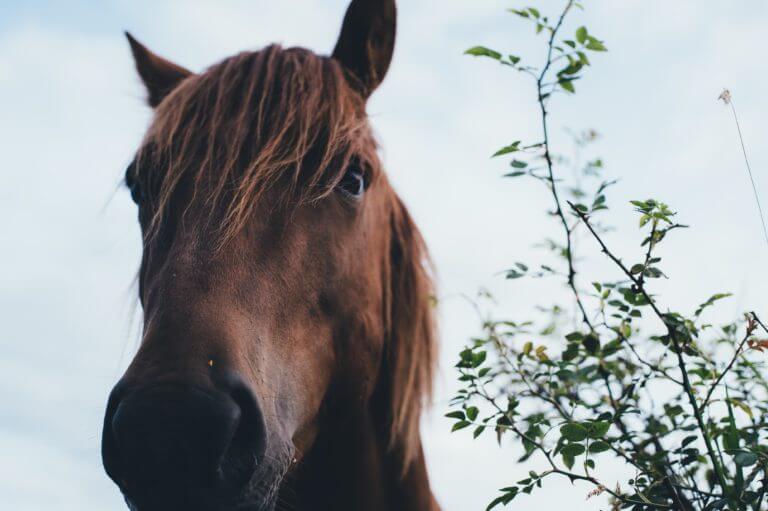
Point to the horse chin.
(260, 494)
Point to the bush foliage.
(680, 401)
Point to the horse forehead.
(196, 251)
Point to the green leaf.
(745, 459)
(591, 343)
(581, 34)
(567, 85)
(521, 13)
(511, 148)
(482, 51)
(575, 336)
(741, 405)
(598, 429)
(458, 414)
(731, 439)
(653, 273)
(460, 425)
(478, 431)
(717, 504)
(687, 440)
(472, 412)
(571, 352)
(518, 164)
(598, 447)
(495, 502)
(527, 348)
(573, 432)
(573, 450)
(595, 44)
(516, 173)
(711, 301)
(478, 358)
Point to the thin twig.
(727, 369)
(757, 320)
(548, 158)
(729, 101)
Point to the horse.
(288, 336)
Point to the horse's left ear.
(160, 76)
(367, 41)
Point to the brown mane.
(413, 335)
(247, 123)
(286, 121)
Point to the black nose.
(173, 445)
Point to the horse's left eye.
(353, 183)
(132, 183)
(135, 192)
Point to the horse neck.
(351, 467)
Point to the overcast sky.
(72, 113)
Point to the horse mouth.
(260, 495)
(185, 503)
(245, 506)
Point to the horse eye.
(135, 193)
(133, 184)
(353, 183)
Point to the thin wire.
(749, 170)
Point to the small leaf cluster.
(570, 53)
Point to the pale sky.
(72, 113)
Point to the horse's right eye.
(353, 183)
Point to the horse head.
(288, 342)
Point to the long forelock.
(277, 121)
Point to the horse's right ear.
(367, 41)
(160, 76)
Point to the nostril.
(169, 439)
(109, 451)
(248, 445)
(173, 439)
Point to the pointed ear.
(160, 76)
(367, 41)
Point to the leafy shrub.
(575, 392)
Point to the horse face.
(242, 348)
(267, 270)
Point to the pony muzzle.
(182, 446)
